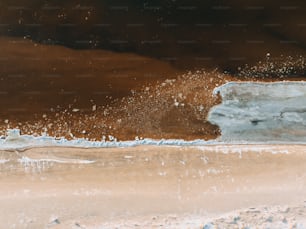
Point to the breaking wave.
(175, 108)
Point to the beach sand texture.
(153, 186)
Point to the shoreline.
(15, 141)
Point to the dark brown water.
(186, 33)
(93, 68)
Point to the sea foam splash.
(257, 111)
(14, 140)
(250, 113)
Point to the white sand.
(154, 187)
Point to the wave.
(253, 111)
(173, 108)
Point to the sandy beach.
(153, 187)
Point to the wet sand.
(168, 187)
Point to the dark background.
(188, 34)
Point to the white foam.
(15, 140)
(3, 161)
(255, 111)
(240, 149)
(26, 161)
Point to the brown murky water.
(89, 92)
